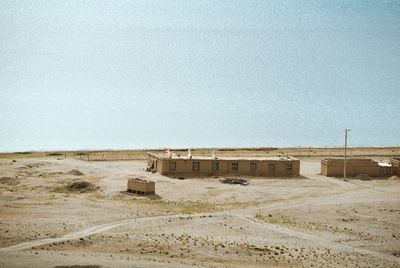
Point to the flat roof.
(348, 159)
(238, 158)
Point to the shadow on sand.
(186, 177)
(147, 196)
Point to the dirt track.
(88, 231)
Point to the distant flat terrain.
(252, 151)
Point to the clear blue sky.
(145, 74)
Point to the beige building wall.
(253, 167)
(395, 166)
(354, 167)
(141, 186)
(154, 163)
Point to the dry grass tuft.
(9, 181)
(76, 187)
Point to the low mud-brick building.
(213, 166)
(333, 167)
(139, 186)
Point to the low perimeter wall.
(354, 167)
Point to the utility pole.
(345, 153)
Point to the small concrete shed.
(139, 186)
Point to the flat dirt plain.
(306, 221)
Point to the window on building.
(172, 165)
(196, 166)
(215, 166)
(253, 166)
(289, 167)
(271, 166)
(235, 166)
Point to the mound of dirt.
(9, 181)
(81, 186)
(394, 178)
(74, 172)
(363, 177)
(77, 186)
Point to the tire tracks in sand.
(243, 214)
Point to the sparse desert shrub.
(9, 181)
(77, 187)
(74, 172)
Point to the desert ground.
(48, 218)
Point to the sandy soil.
(306, 221)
